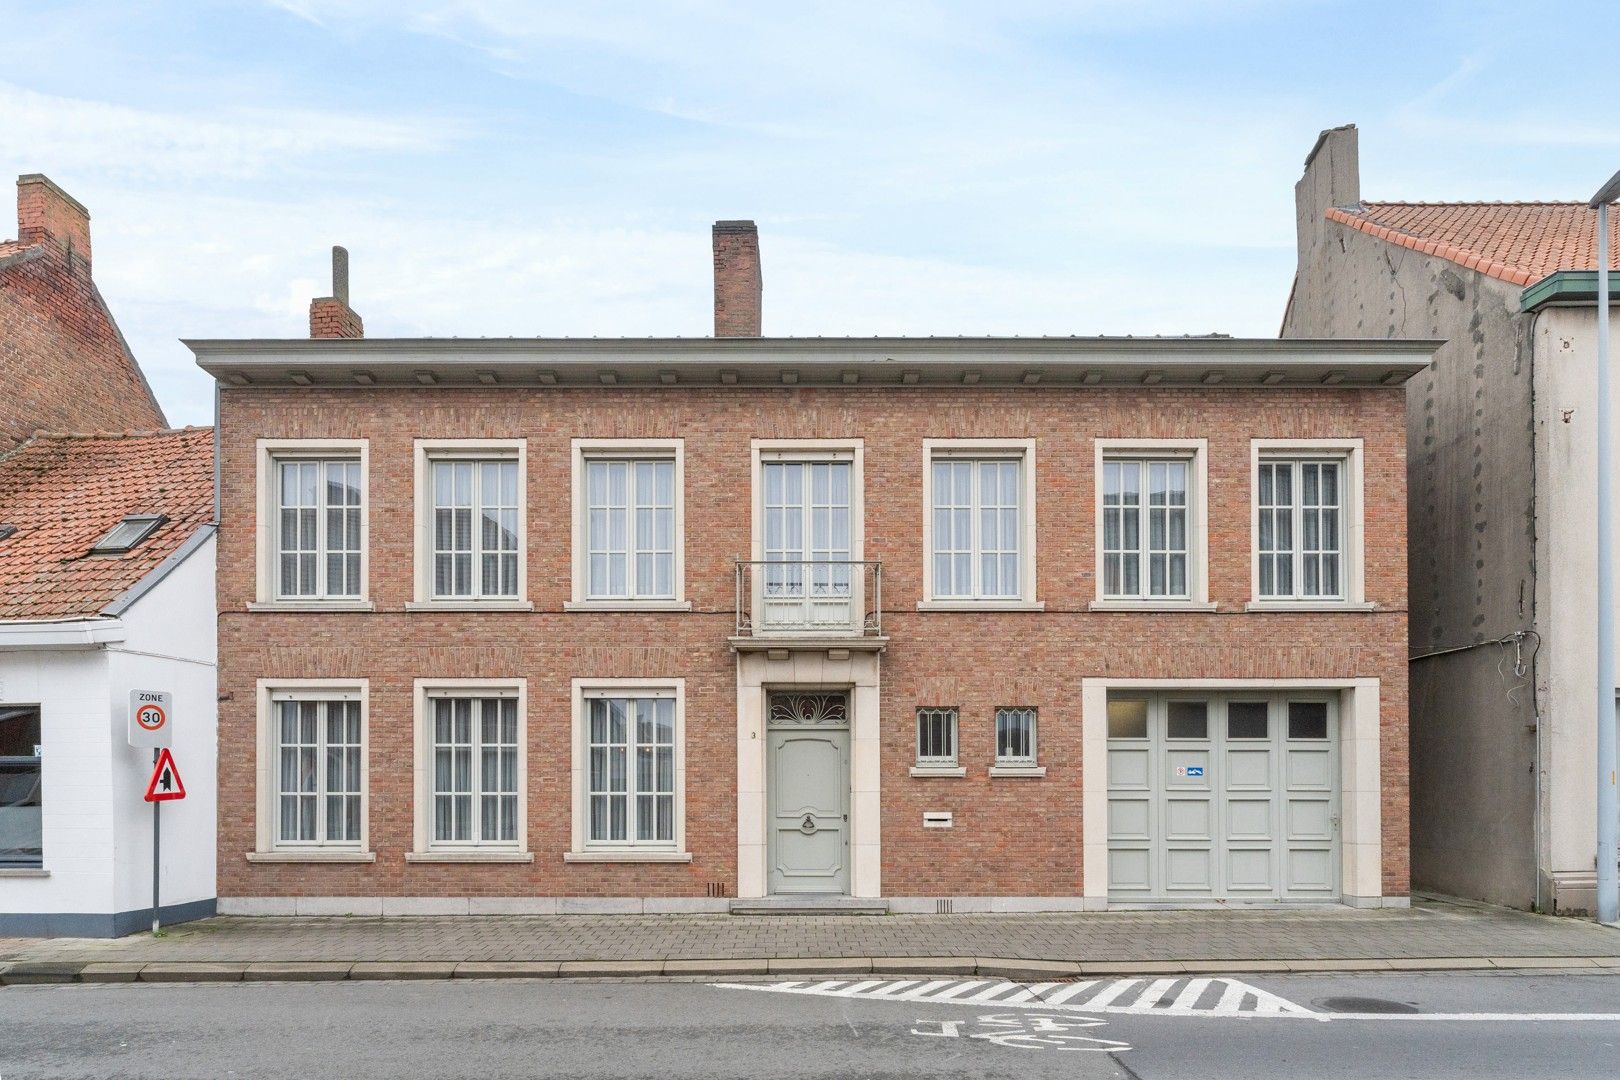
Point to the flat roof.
(826, 361)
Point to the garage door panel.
(1310, 819)
(1189, 819)
(1130, 819)
(1248, 768)
(1310, 769)
(1129, 870)
(1189, 869)
(1249, 819)
(1187, 769)
(1129, 768)
(1250, 870)
(1308, 871)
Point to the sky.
(526, 168)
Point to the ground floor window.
(318, 759)
(475, 770)
(628, 762)
(1015, 737)
(21, 803)
(936, 738)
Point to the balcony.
(815, 601)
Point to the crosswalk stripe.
(1150, 997)
(1187, 1000)
(1110, 993)
(953, 994)
(894, 987)
(1064, 993)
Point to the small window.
(126, 534)
(1307, 720)
(936, 738)
(21, 801)
(1247, 720)
(1188, 720)
(1127, 718)
(1015, 737)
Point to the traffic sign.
(166, 784)
(151, 718)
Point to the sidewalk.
(1431, 935)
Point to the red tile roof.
(63, 492)
(1520, 242)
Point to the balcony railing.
(809, 596)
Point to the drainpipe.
(1608, 810)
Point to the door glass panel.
(1247, 720)
(1189, 719)
(1127, 718)
(1307, 720)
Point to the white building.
(106, 586)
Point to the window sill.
(311, 856)
(469, 605)
(627, 856)
(24, 872)
(981, 605)
(1150, 605)
(312, 605)
(1018, 772)
(1309, 605)
(921, 771)
(628, 605)
(469, 856)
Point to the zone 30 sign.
(151, 718)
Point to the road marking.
(1025, 1032)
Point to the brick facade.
(64, 363)
(1012, 837)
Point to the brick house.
(64, 363)
(1502, 468)
(907, 623)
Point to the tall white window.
(1146, 511)
(318, 518)
(630, 747)
(1015, 737)
(474, 794)
(318, 755)
(475, 507)
(977, 531)
(1300, 534)
(936, 738)
(630, 529)
(807, 529)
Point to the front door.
(807, 792)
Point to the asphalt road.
(1432, 1026)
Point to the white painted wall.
(1565, 360)
(169, 645)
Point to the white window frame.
(631, 450)
(582, 849)
(267, 846)
(1350, 453)
(429, 451)
(939, 766)
(1022, 450)
(424, 848)
(1024, 767)
(1196, 453)
(267, 499)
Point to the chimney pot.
(738, 283)
(331, 316)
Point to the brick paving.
(1428, 930)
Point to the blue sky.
(500, 167)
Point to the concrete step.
(810, 905)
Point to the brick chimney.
(331, 316)
(46, 212)
(737, 282)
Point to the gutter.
(1563, 288)
(76, 633)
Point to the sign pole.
(157, 840)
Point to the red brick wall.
(62, 362)
(1011, 837)
(332, 318)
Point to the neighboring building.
(106, 586)
(63, 363)
(921, 623)
(1503, 527)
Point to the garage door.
(1222, 797)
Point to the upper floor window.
(312, 521)
(318, 550)
(629, 528)
(1307, 543)
(1146, 547)
(1301, 530)
(471, 527)
(807, 572)
(979, 521)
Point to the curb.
(23, 973)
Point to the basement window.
(127, 533)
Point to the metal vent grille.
(716, 889)
(944, 907)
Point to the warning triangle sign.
(166, 783)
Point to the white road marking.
(1110, 994)
(1188, 998)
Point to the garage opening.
(1230, 796)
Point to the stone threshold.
(22, 973)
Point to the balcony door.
(808, 580)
